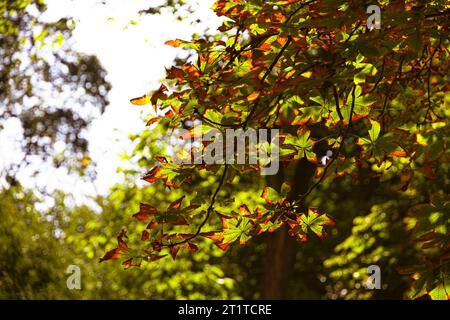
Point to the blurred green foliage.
(38, 246)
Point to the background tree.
(52, 90)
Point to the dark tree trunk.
(280, 250)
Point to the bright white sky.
(135, 58)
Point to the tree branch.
(336, 100)
(298, 9)
(428, 82)
(208, 212)
(336, 155)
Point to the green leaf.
(442, 291)
(374, 131)
(237, 229)
(302, 143)
(271, 195)
(315, 221)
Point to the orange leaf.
(111, 255)
(154, 257)
(190, 247)
(145, 235)
(253, 96)
(174, 43)
(428, 172)
(140, 101)
(122, 245)
(158, 94)
(176, 204)
(145, 212)
(152, 121)
(400, 154)
(223, 246)
(213, 235)
(244, 210)
(127, 263)
(152, 225)
(175, 73)
(173, 252)
(151, 176)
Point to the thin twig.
(386, 98)
(336, 155)
(280, 95)
(266, 74)
(380, 77)
(208, 212)
(428, 82)
(274, 62)
(298, 9)
(336, 100)
(214, 122)
(250, 46)
(353, 31)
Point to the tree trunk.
(280, 250)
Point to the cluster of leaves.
(376, 238)
(166, 230)
(37, 68)
(431, 232)
(377, 99)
